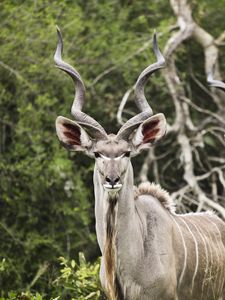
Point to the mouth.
(112, 188)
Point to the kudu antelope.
(148, 251)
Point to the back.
(200, 255)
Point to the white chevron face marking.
(119, 157)
(105, 157)
(109, 158)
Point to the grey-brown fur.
(155, 190)
(146, 229)
(113, 289)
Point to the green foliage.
(80, 281)
(77, 281)
(22, 296)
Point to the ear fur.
(72, 135)
(149, 132)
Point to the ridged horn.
(141, 101)
(79, 98)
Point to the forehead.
(112, 147)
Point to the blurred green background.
(46, 193)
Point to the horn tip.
(59, 47)
(155, 43)
(155, 37)
(160, 57)
(58, 32)
(210, 74)
(60, 41)
(209, 77)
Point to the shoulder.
(156, 191)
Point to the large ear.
(72, 135)
(149, 132)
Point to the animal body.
(148, 251)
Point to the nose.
(112, 180)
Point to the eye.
(127, 154)
(97, 155)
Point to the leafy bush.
(22, 296)
(77, 281)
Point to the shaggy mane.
(155, 190)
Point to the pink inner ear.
(72, 133)
(149, 131)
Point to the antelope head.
(112, 152)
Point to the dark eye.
(127, 154)
(97, 154)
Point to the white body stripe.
(210, 243)
(206, 255)
(185, 251)
(222, 252)
(196, 253)
(213, 281)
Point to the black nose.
(112, 180)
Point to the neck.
(124, 204)
(116, 226)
